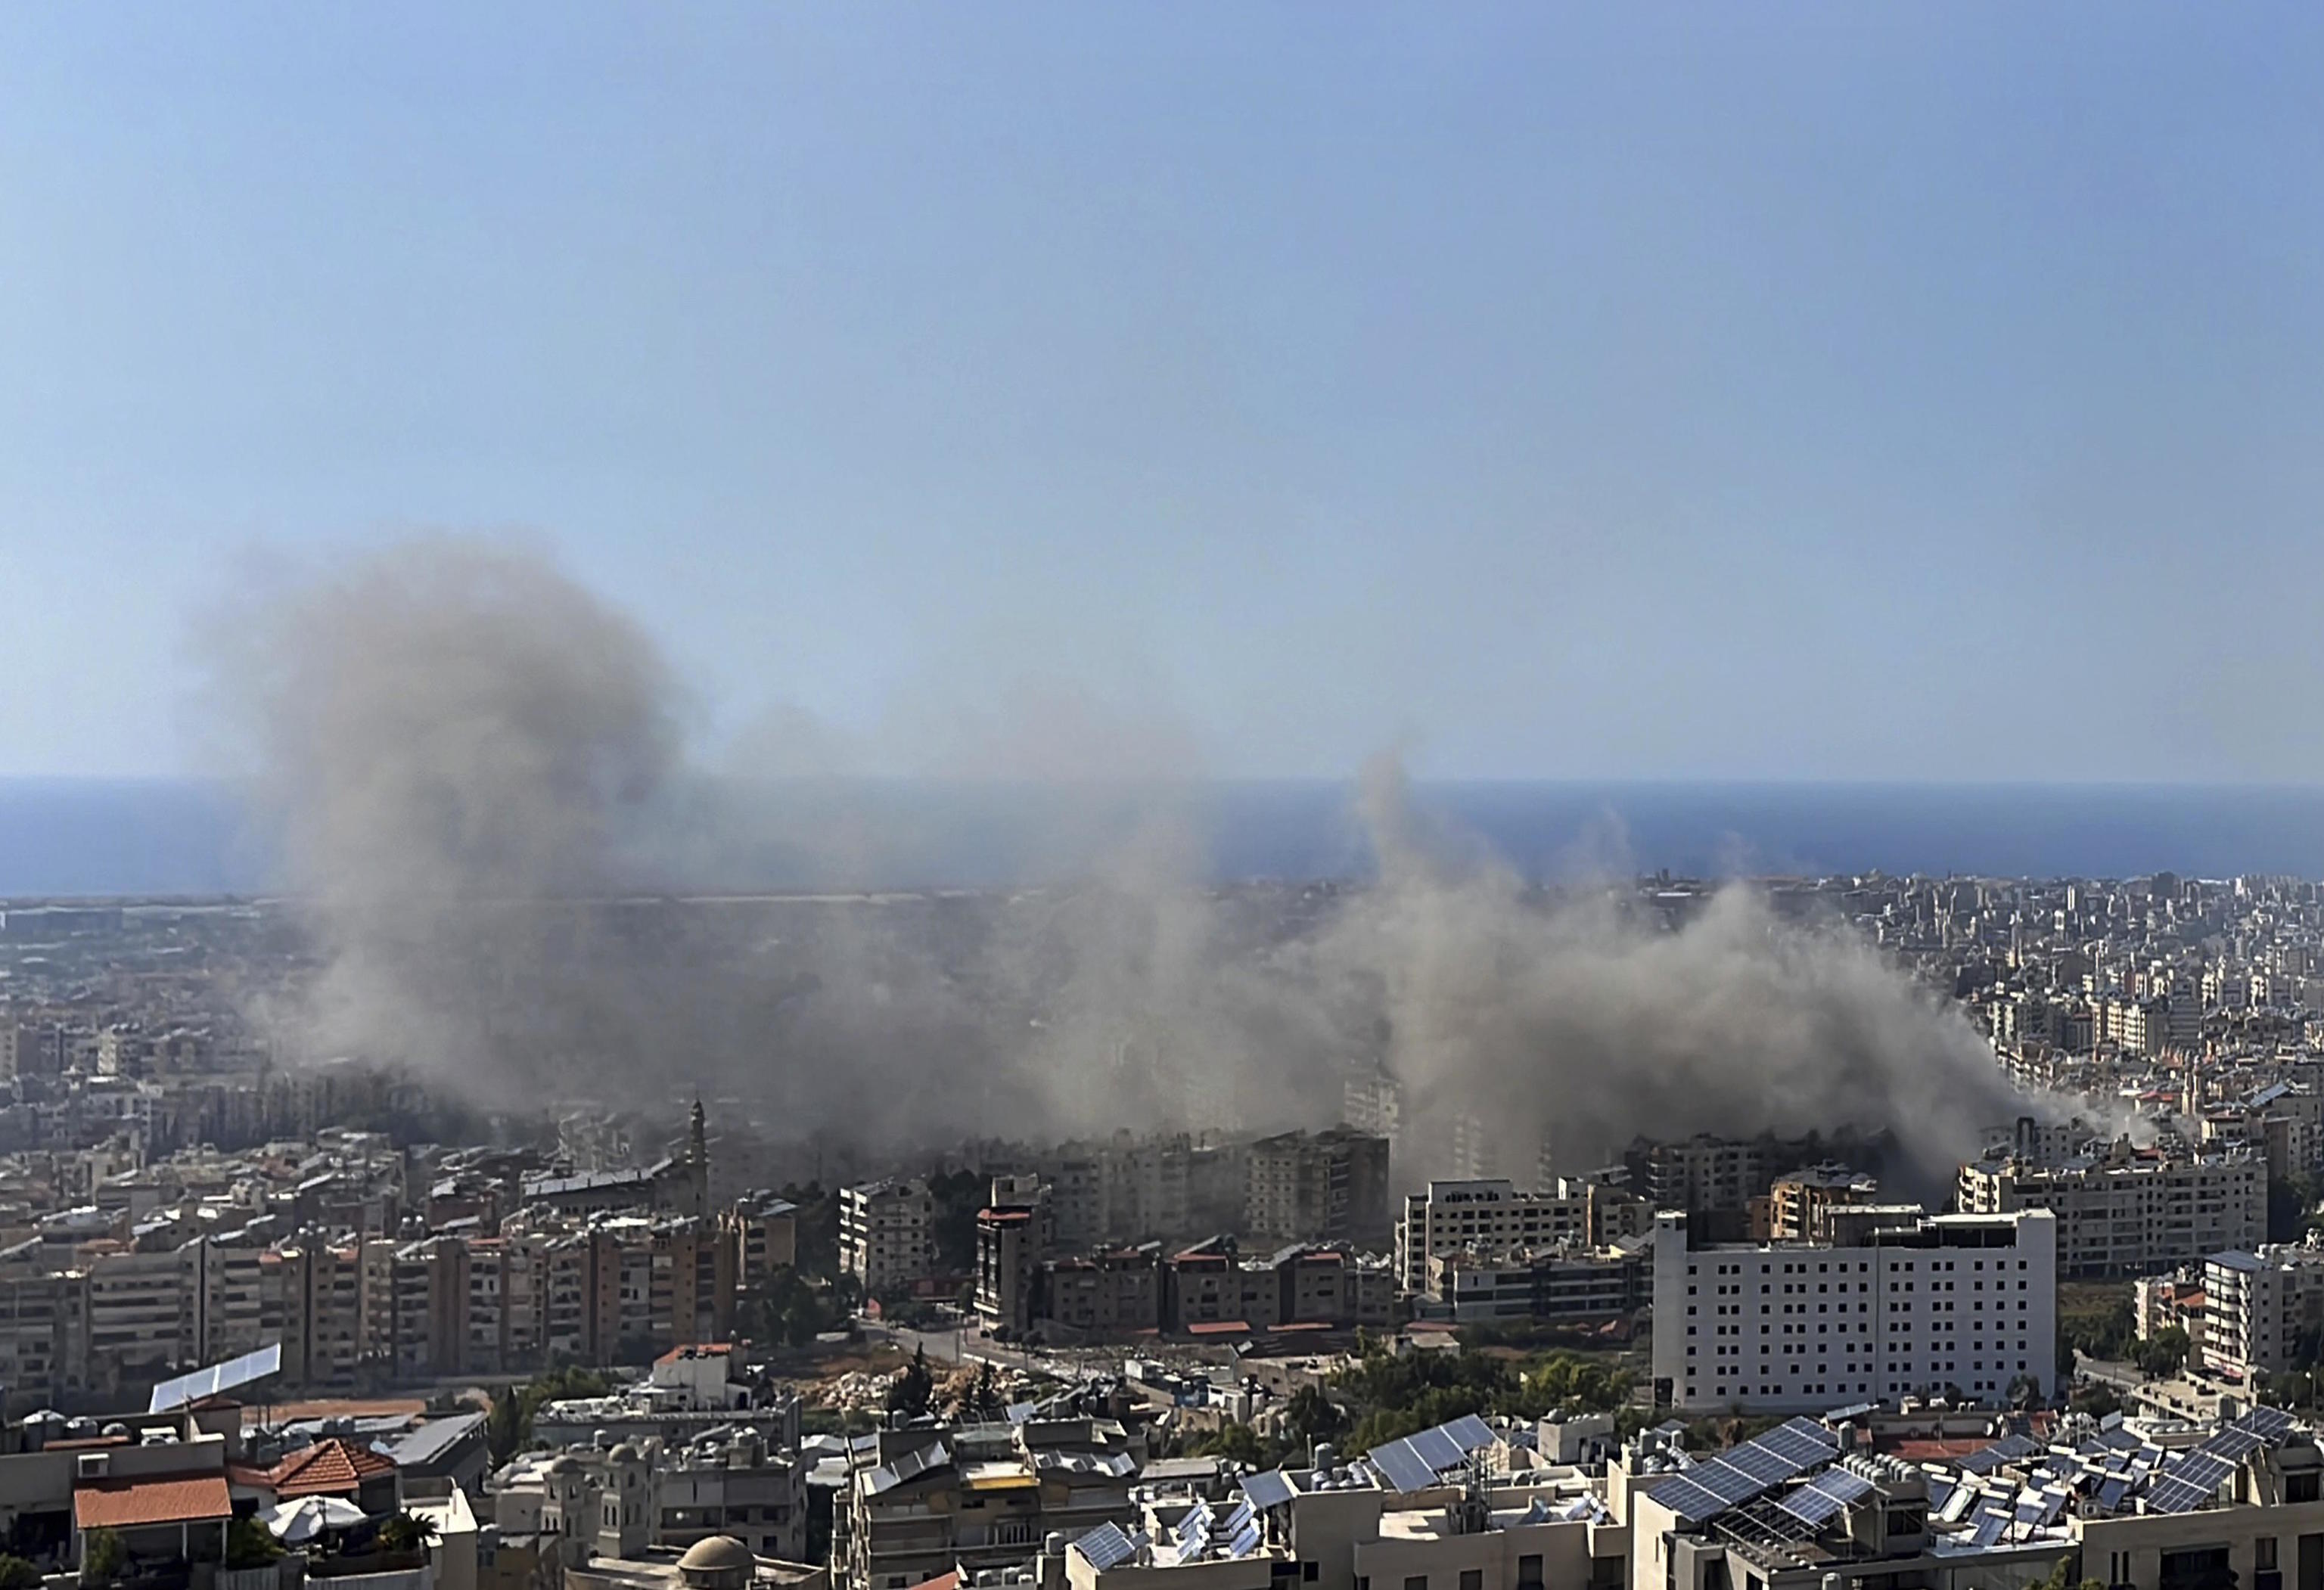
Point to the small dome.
(559, 1465)
(720, 1553)
(624, 1453)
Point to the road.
(963, 1344)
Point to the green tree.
(16, 1574)
(2065, 1575)
(249, 1545)
(405, 1532)
(103, 1558)
(1238, 1443)
(1310, 1416)
(508, 1423)
(2161, 1353)
(2098, 1400)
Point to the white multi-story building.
(1897, 1302)
(887, 1234)
(2130, 1212)
(1487, 1216)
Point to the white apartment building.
(1899, 1302)
(2130, 1212)
(2256, 1306)
(887, 1234)
(1487, 1216)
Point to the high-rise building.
(1896, 1303)
(1329, 1186)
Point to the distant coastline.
(112, 838)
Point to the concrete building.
(1540, 1529)
(1896, 1303)
(1857, 1523)
(2130, 1211)
(1487, 1218)
(932, 1499)
(1797, 1199)
(1330, 1186)
(887, 1234)
(1117, 1293)
(1700, 1172)
(2257, 1309)
(1013, 1239)
(1563, 1286)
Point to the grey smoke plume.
(476, 763)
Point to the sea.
(71, 838)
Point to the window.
(1472, 1579)
(1308, 1572)
(1528, 1573)
(1416, 1582)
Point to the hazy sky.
(1874, 390)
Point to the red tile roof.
(128, 1504)
(328, 1469)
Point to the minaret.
(698, 1162)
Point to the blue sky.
(1897, 391)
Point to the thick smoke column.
(474, 758)
(1584, 1025)
(456, 742)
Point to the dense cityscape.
(605, 1341)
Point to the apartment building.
(2130, 1211)
(1798, 1200)
(143, 1313)
(887, 1234)
(1117, 1293)
(1209, 1286)
(2257, 1308)
(934, 1499)
(1569, 1285)
(1488, 1216)
(1013, 1239)
(1700, 1172)
(1332, 1530)
(1330, 1186)
(1897, 1302)
(43, 1331)
(764, 1231)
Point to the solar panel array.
(1752, 1469)
(1816, 1503)
(1106, 1547)
(2007, 1450)
(219, 1377)
(1418, 1462)
(2270, 1424)
(1271, 1489)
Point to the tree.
(249, 1545)
(508, 1425)
(978, 1397)
(2161, 1353)
(2065, 1575)
(404, 1532)
(1237, 1442)
(910, 1393)
(103, 1558)
(16, 1574)
(1310, 1416)
(2098, 1400)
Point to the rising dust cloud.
(479, 773)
